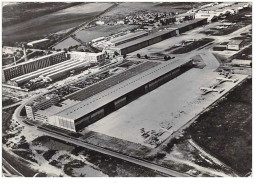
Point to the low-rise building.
(235, 45)
(90, 57)
(43, 115)
(39, 104)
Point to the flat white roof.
(87, 106)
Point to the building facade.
(32, 65)
(43, 102)
(90, 57)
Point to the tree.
(138, 55)
(165, 58)
(146, 56)
(116, 53)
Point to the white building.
(235, 45)
(91, 57)
(100, 22)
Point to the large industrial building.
(137, 44)
(90, 104)
(156, 37)
(33, 65)
(128, 37)
(53, 72)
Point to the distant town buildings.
(213, 13)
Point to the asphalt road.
(136, 161)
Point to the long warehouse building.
(128, 37)
(33, 65)
(156, 37)
(53, 72)
(100, 99)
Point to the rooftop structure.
(111, 81)
(43, 115)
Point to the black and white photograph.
(126, 89)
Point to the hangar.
(156, 37)
(102, 98)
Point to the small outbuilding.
(235, 45)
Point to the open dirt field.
(130, 8)
(99, 31)
(54, 22)
(66, 43)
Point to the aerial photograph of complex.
(126, 89)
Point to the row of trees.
(166, 57)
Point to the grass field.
(14, 13)
(99, 31)
(66, 43)
(40, 27)
(245, 54)
(225, 130)
(130, 8)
